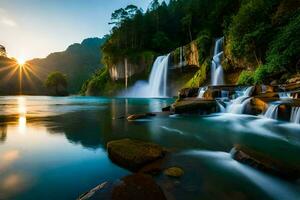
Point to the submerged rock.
(174, 172)
(137, 187)
(265, 163)
(140, 116)
(133, 154)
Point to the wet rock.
(265, 163)
(133, 154)
(188, 92)
(194, 105)
(153, 168)
(140, 116)
(137, 187)
(90, 194)
(174, 172)
(167, 109)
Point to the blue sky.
(35, 28)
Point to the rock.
(90, 194)
(133, 154)
(166, 109)
(140, 116)
(137, 187)
(174, 172)
(194, 105)
(265, 163)
(188, 92)
(153, 168)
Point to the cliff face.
(119, 70)
(183, 64)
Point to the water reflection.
(61, 137)
(3, 132)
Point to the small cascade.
(295, 115)
(201, 92)
(221, 107)
(216, 67)
(238, 105)
(157, 84)
(272, 111)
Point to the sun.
(21, 61)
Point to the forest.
(262, 41)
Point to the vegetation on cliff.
(263, 40)
(261, 36)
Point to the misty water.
(54, 148)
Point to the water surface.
(54, 148)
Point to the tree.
(56, 84)
(2, 51)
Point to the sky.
(34, 28)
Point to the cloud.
(8, 22)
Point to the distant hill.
(77, 62)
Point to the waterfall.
(157, 84)
(216, 67)
(272, 111)
(239, 104)
(201, 92)
(295, 115)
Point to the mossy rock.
(174, 172)
(265, 163)
(133, 154)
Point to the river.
(54, 148)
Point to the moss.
(246, 78)
(200, 76)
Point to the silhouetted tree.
(56, 84)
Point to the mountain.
(77, 62)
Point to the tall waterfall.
(272, 111)
(295, 115)
(216, 67)
(157, 84)
(239, 104)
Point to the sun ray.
(10, 74)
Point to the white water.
(272, 111)
(238, 105)
(216, 67)
(295, 115)
(201, 92)
(157, 84)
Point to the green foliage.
(56, 83)
(203, 42)
(2, 51)
(246, 78)
(200, 77)
(250, 31)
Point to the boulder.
(166, 109)
(174, 172)
(194, 105)
(265, 163)
(133, 154)
(188, 92)
(137, 187)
